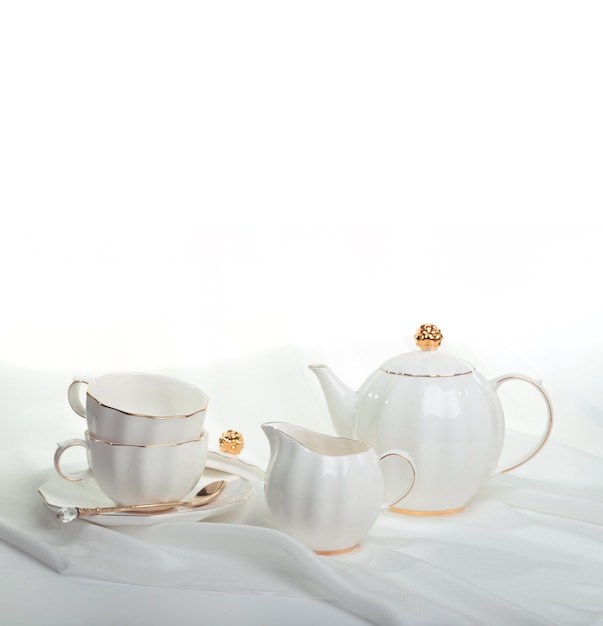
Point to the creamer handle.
(403, 455)
(547, 431)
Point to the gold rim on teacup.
(146, 416)
(93, 437)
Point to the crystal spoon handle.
(205, 496)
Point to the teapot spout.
(341, 400)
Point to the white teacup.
(138, 408)
(139, 474)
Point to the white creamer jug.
(326, 491)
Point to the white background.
(229, 191)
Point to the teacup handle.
(403, 455)
(65, 445)
(75, 398)
(547, 430)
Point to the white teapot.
(438, 408)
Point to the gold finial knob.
(232, 442)
(428, 337)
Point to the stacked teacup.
(145, 437)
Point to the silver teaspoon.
(208, 493)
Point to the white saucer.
(58, 493)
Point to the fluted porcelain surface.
(454, 428)
(324, 491)
(130, 474)
(436, 406)
(139, 408)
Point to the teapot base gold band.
(337, 552)
(426, 513)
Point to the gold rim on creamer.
(337, 552)
(151, 417)
(92, 437)
(427, 375)
(426, 513)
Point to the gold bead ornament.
(428, 337)
(231, 442)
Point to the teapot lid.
(427, 361)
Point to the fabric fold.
(524, 552)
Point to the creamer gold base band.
(426, 513)
(337, 552)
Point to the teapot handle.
(547, 431)
(403, 455)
